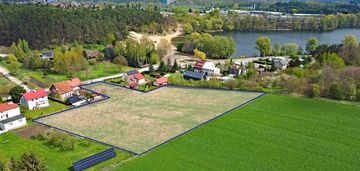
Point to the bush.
(336, 91)
(16, 93)
(231, 84)
(28, 161)
(314, 90)
(2, 166)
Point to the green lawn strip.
(55, 158)
(271, 133)
(54, 107)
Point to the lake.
(245, 41)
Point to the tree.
(14, 68)
(312, 44)
(110, 38)
(350, 50)
(175, 66)
(200, 55)
(16, 93)
(121, 62)
(154, 58)
(163, 48)
(188, 28)
(291, 49)
(163, 67)
(336, 91)
(314, 90)
(263, 44)
(29, 161)
(333, 60)
(350, 40)
(277, 49)
(11, 59)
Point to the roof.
(48, 54)
(132, 84)
(209, 65)
(162, 80)
(67, 86)
(8, 120)
(139, 76)
(199, 64)
(191, 74)
(6, 106)
(35, 94)
(74, 99)
(132, 72)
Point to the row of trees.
(215, 47)
(235, 21)
(43, 25)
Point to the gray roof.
(48, 54)
(74, 99)
(197, 75)
(132, 72)
(8, 120)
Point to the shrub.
(28, 161)
(336, 91)
(231, 84)
(314, 90)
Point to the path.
(7, 74)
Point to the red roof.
(132, 84)
(162, 80)
(6, 106)
(67, 86)
(199, 65)
(35, 94)
(139, 76)
(75, 82)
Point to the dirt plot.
(139, 121)
(32, 130)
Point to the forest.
(43, 25)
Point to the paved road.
(7, 74)
(115, 76)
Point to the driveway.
(7, 74)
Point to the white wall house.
(35, 99)
(65, 89)
(210, 69)
(10, 117)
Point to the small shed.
(194, 75)
(76, 101)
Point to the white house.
(65, 89)
(280, 62)
(10, 117)
(35, 99)
(210, 69)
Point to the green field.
(54, 107)
(271, 133)
(5, 86)
(12, 145)
(139, 121)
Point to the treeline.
(314, 7)
(44, 25)
(214, 47)
(234, 21)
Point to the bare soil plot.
(139, 121)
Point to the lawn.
(12, 145)
(139, 121)
(5, 86)
(54, 107)
(37, 79)
(271, 133)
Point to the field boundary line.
(105, 97)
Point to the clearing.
(271, 133)
(138, 121)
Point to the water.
(245, 41)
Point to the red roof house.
(66, 88)
(199, 65)
(7, 106)
(35, 99)
(161, 81)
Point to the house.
(76, 101)
(134, 76)
(91, 54)
(65, 89)
(161, 81)
(35, 99)
(47, 55)
(194, 75)
(10, 117)
(280, 62)
(206, 67)
(238, 69)
(133, 85)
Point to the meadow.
(139, 121)
(271, 133)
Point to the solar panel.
(94, 159)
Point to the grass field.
(271, 133)
(56, 159)
(138, 121)
(54, 107)
(5, 86)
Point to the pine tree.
(175, 66)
